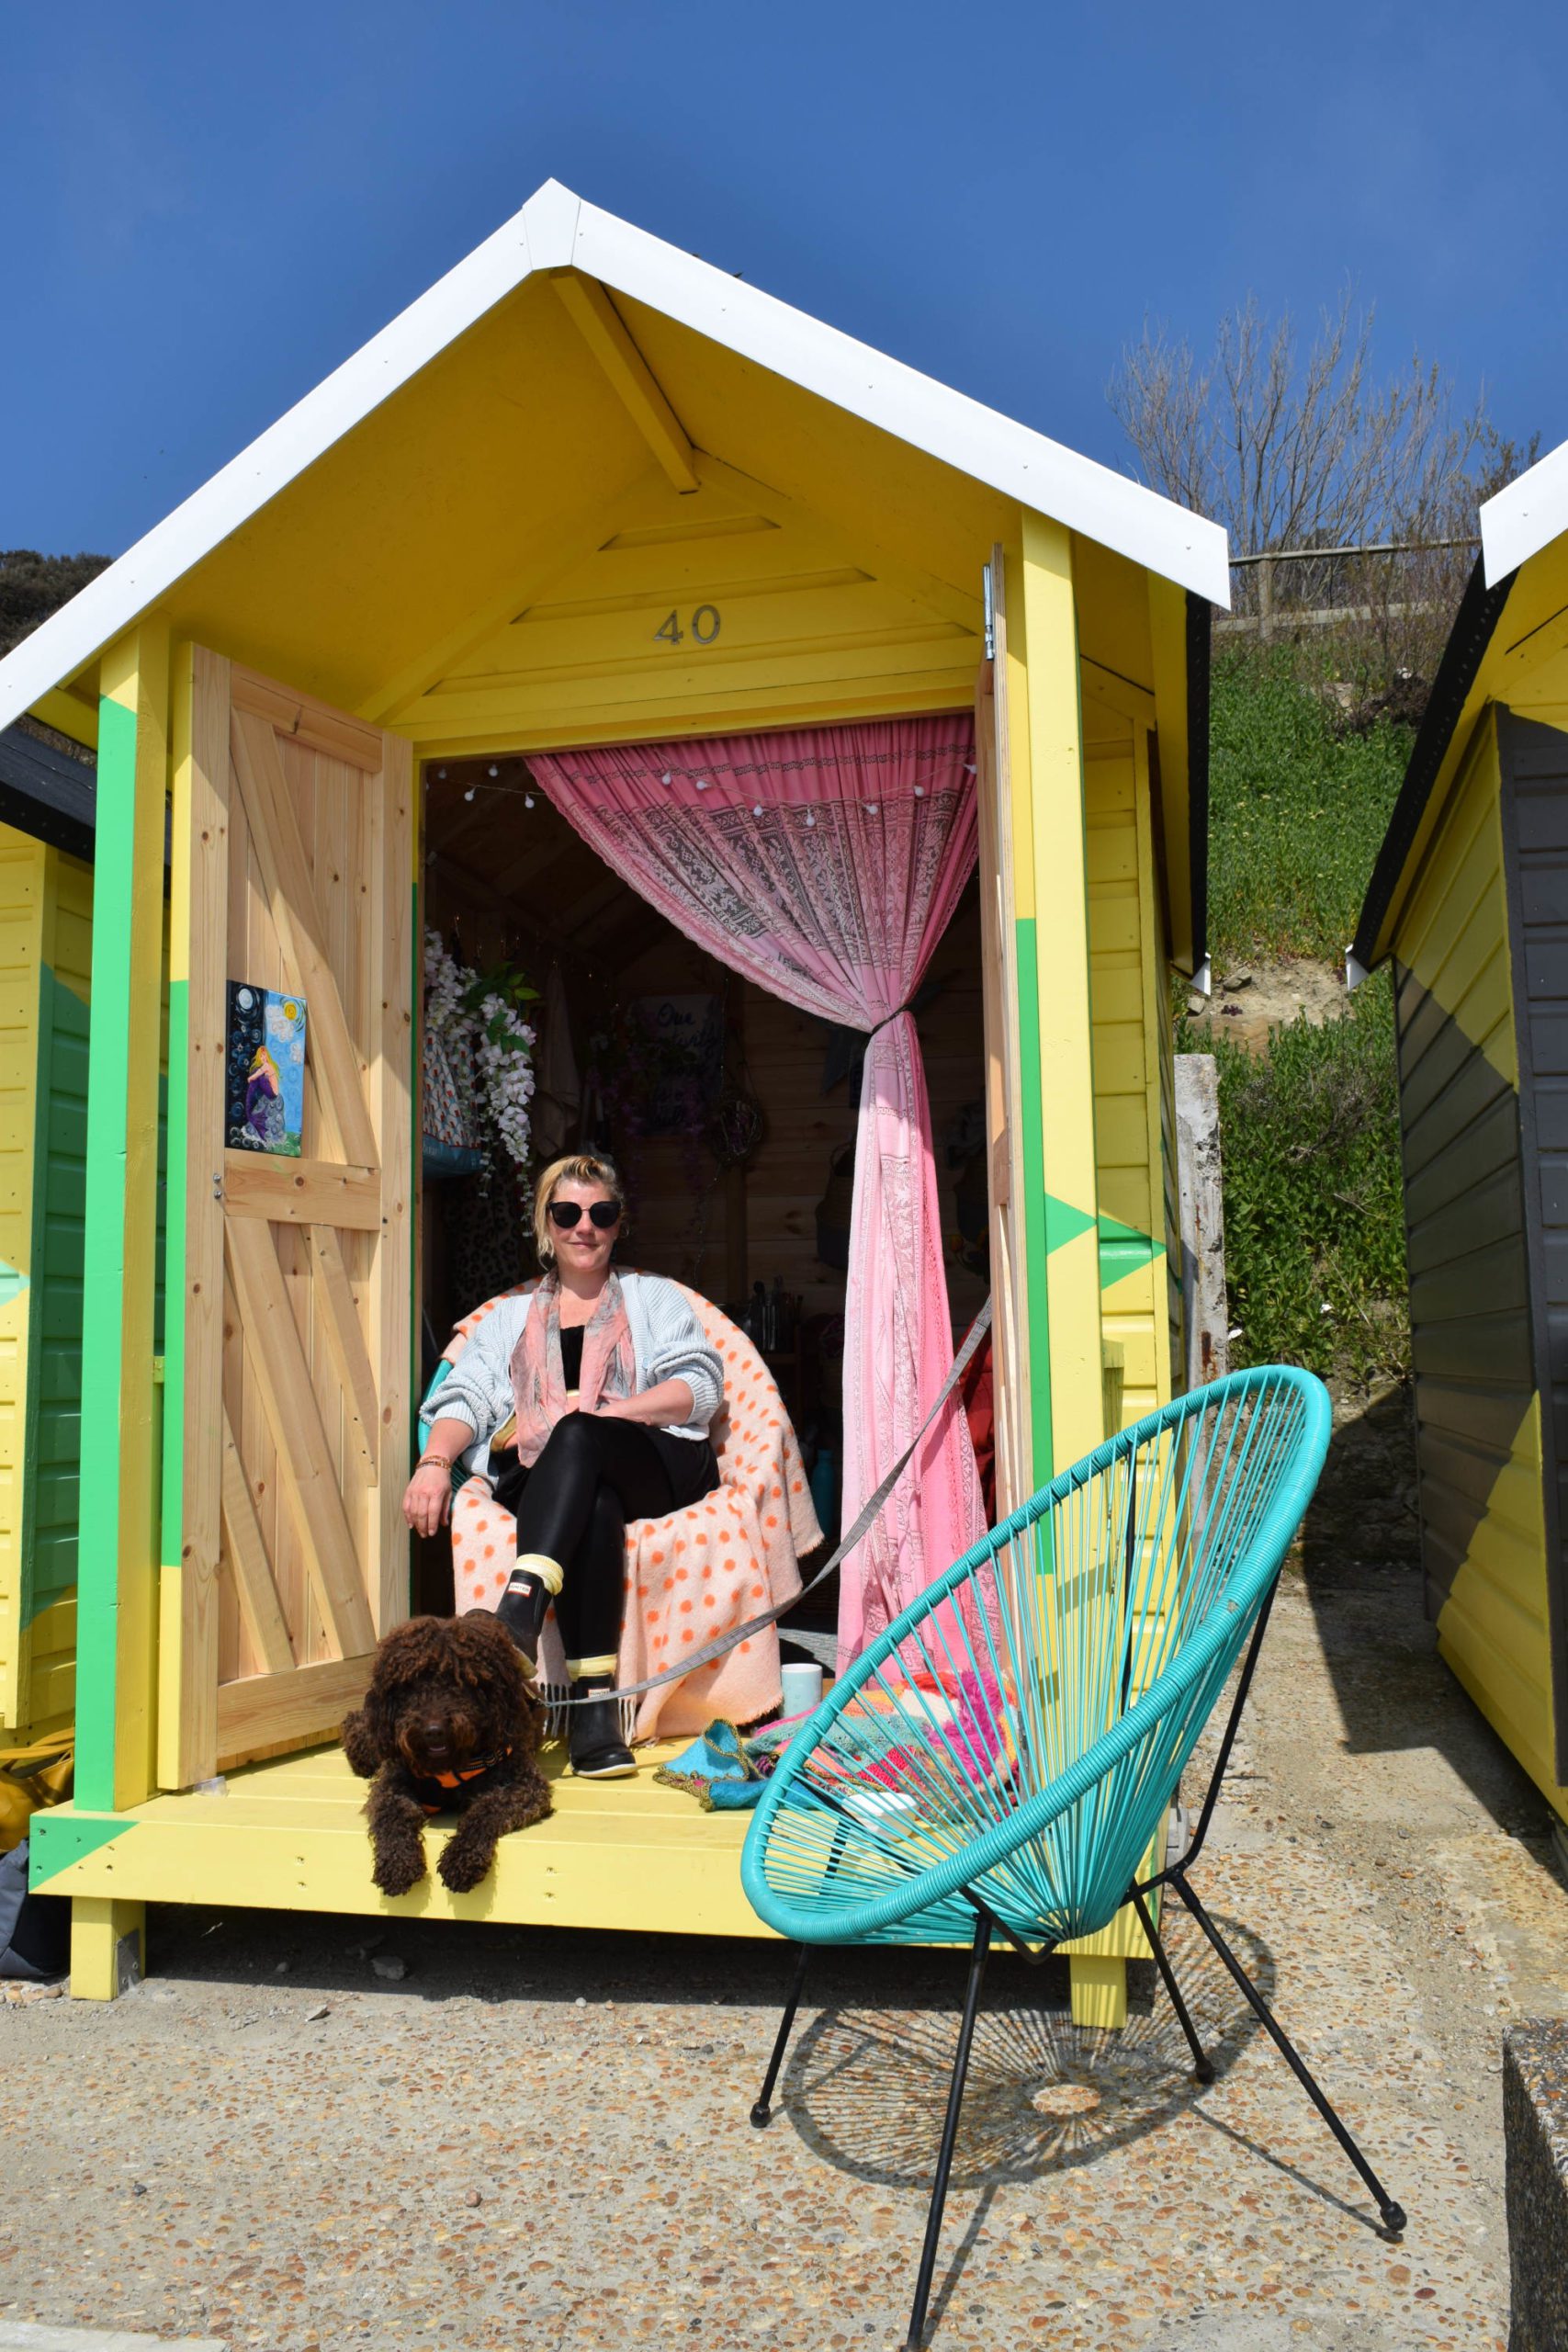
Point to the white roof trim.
(1527, 516)
(556, 230)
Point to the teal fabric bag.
(725, 1773)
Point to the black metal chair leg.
(1202, 2066)
(1393, 2216)
(763, 2107)
(977, 1954)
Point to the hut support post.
(106, 1946)
(1058, 1073)
(1052, 885)
(193, 1339)
(119, 1567)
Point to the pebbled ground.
(540, 2141)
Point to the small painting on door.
(265, 1070)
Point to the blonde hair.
(572, 1167)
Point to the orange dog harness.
(464, 1779)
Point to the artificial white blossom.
(490, 1050)
(506, 1058)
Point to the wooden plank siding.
(693, 612)
(22, 890)
(1534, 764)
(54, 1386)
(1169, 1165)
(45, 951)
(1128, 998)
(1477, 1428)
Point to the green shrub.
(1298, 805)
(1309, 1130)
(1309, 1137)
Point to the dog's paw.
(397, 1871)
(464, 1863)
(359, 1744)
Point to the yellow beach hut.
(48, 791)
(1469, 902)
(586, 490)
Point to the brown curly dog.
(447, 1726)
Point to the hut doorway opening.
(731, 1114)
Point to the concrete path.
(540, 2141)
(18, 2336)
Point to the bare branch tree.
(1304, 451)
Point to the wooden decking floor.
(291, 1834)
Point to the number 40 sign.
(703, 627)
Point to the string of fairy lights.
(525, 792)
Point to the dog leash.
(822, 1646)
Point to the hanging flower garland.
(448, 1048)
(477, 1017)
(507, 1057)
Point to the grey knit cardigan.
(668, 1343)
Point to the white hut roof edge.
(557, 230)
(1526, 516)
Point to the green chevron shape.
(1123, 1250)
(1063, 1223)
(57, 1839)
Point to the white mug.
(802, 1689)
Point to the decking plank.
(289, 1835)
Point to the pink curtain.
(824, 863)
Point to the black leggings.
(573, 1504)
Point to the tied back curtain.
(824, 863)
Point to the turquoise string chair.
(1003, 1757)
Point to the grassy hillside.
(1315, 1237)
(1297, 808)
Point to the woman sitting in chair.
(613, 1386)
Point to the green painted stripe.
(103, 1271)
(1032, 1110)
(176, 1128)
(59, 1839)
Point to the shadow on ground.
(867, 2089)
(866, 2086)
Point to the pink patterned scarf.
(538, 1384)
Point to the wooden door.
(1015, 1479)
(291, 871)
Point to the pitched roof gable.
(555, 230)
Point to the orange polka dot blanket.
(692, 1577)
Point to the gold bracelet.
(434, 1462)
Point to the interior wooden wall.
(785, 1055)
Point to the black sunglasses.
(566, 1213)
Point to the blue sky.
(209, 206)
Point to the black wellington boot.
(522, 1608)
(597, 1750)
